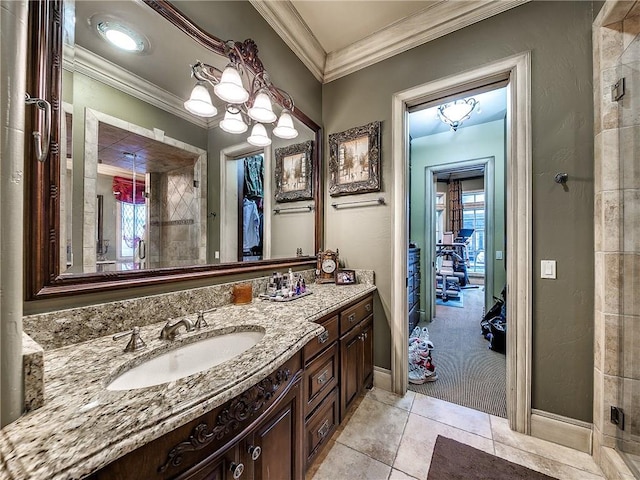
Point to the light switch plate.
(547, 269)
(498, 254)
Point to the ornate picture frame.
(354, 164)
(293, 172)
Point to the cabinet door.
(279, 439)
(224, 467)
(366, 337)
(350, 369)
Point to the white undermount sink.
(186, 360)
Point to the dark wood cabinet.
(217, 444)
(356, 356)
(275, 429)
(413, 287)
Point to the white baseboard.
(562, 430)
(382, 378)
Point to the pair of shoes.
(417, 344)
(421, 333)
(417, 374)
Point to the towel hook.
(42, 147)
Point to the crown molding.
(283, 17)
(436, 20)
(95, 67)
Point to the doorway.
(516, 70)
(456, 219)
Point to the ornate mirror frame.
(42, 201)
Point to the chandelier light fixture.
(456, 112)
(245, 107)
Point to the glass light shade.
(121, 36)
(199, 102)
(262, 111)
(453, 114)
(233, 123)
(457, 111)
(285, 128)
(259, 137)
(230, 88)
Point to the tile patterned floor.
(386, 437)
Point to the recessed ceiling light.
(121, 36)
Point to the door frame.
(489, 225)
(229, 218)
(517, 69)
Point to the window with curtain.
(473, 217)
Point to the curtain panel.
(455, 206)
(123, 190)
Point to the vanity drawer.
(320, 376)
(321, 426)
(353, 315)
(326, 338)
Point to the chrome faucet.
(169, 330)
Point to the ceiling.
(332, 21)
(492, 106)
(328, 25)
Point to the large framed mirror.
(135, 189)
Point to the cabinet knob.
(324, 429)
(323, 378)
(367, 307)
(323, 337)
(352, 318)
(254, 451)
(237, 469)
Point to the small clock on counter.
(326, 266)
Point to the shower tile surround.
(82, 426)
(616, 44)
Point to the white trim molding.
(517, 69)
(283, 17)
(562, 430)
(438, 19)
(382, 378)
(97, 68)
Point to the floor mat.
(452, 302)
(452, 460)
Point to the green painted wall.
(558, 34)
(447, 148)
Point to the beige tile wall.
(616, 47)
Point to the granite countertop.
(82, 426)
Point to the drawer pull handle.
(237, 469)
(367, 307)
(323, 337)
(254, 451)
(352, 318)
(324, 429)
(323, 378)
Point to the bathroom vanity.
(265, 413)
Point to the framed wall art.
(293, 172)
(354, 164)
(345, 277)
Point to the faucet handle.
(135, 342)
(200, 321)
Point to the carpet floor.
(469, 373)
(453, 460)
